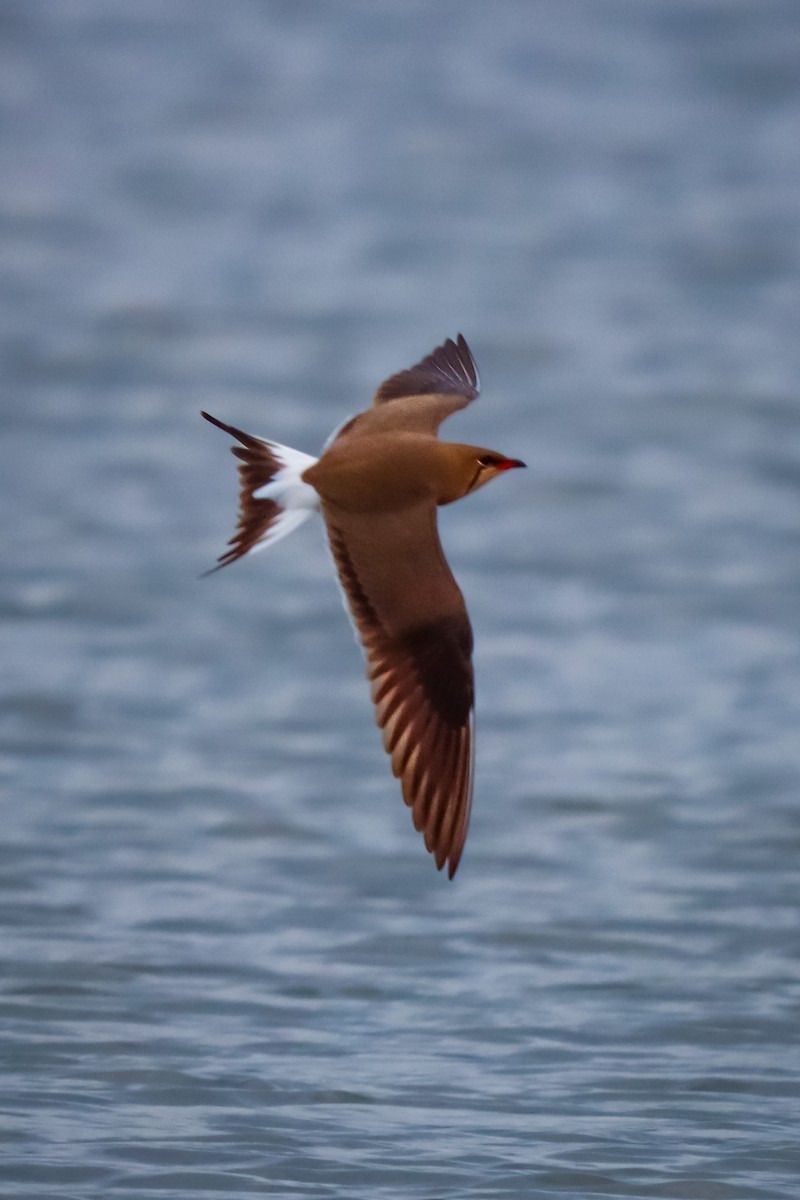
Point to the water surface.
(228, 966)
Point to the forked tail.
(273, 499)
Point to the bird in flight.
(378, 483)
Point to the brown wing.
(413, 625)
(258, 466)
(449, 370)
(418, 400)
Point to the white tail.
(273, 498)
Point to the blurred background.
(228, 965)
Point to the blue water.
(227, 966)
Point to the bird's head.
(470, 467)
(485, 465)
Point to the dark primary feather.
(449, 370)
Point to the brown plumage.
(259, 466)
(378, 484)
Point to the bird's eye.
(487, 460)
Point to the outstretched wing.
(449, 370)
(419, 399)
(413, 625)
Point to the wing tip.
(450, 369)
